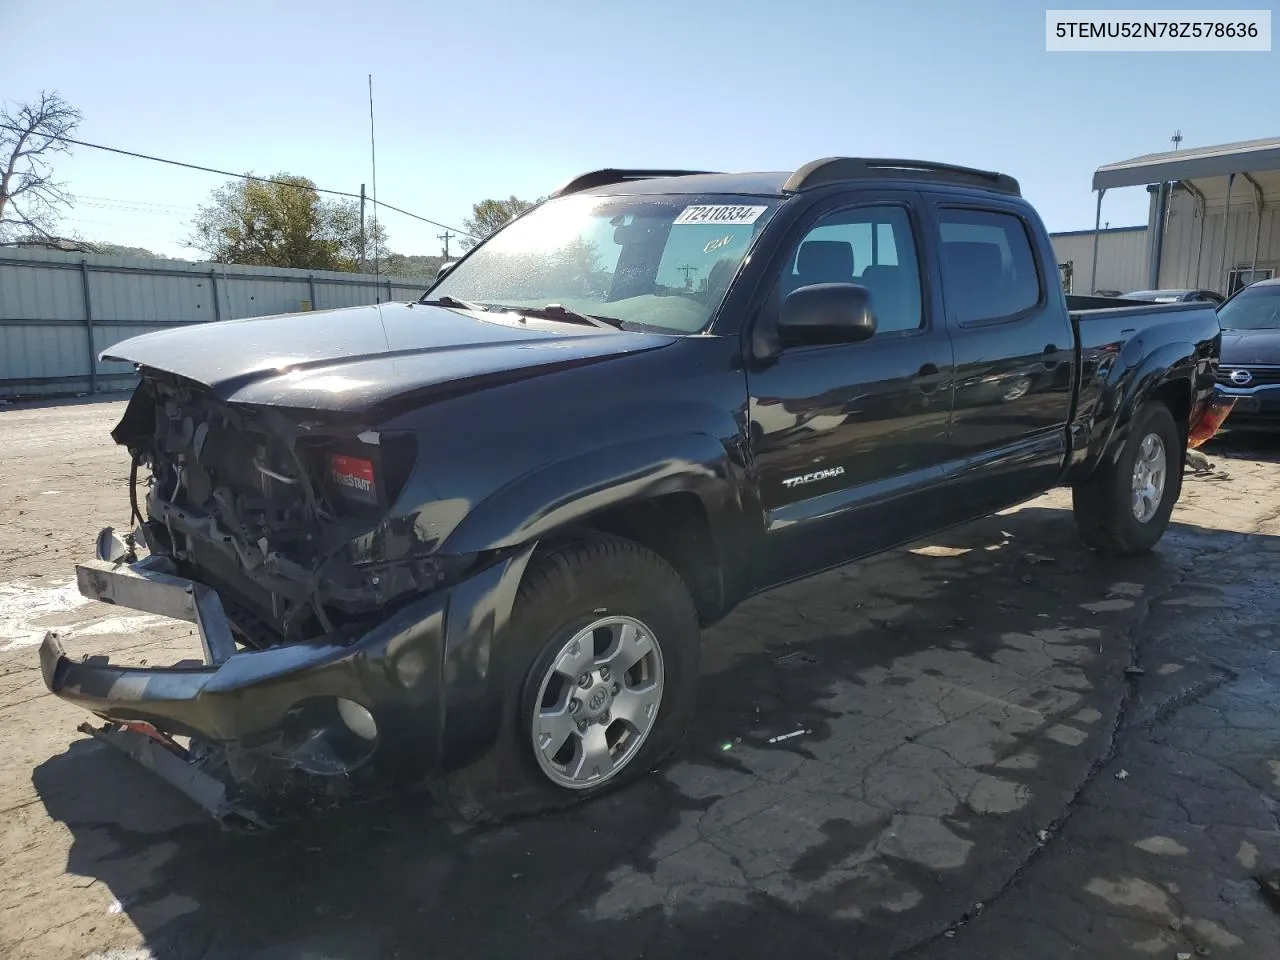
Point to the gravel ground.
(1010, 748)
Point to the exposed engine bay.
(286, 518)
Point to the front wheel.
(600, 661)
(1124, 509)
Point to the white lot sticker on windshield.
(719, 214)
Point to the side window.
(873, 246)
(988, 269)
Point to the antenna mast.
(373, 157)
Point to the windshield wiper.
(447, 301)
(555, 311)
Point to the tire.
(1104, 505)
(573, 586)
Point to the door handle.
(928, 370)
(1049, 351)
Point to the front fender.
(561, 494)
(1130, 383)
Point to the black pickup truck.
(472, 540)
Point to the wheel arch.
(680, 497)
(1166, 375)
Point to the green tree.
(411, 264)
(118, 250)
(488, 215)
(283, 223)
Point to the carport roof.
(1247, 156)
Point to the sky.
(502, 97)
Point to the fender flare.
(564, 493)
(1131, 387)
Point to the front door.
(848, 439)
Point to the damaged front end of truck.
(321, 613)
(282, 502)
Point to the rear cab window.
(988, 266)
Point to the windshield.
(1253, 308)
(653, 262)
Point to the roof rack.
(830, 170)
(602, 178)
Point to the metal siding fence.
(1122, 259)
(1193, 250)
(46, 330)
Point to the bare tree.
(30, 199)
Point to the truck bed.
(1120, 343)
(1121, 321)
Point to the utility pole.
(362, 257)
(1176, 139)
(373, 166)
(445, 237)
(688, 272)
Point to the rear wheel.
(1124, 509)
(601, 666)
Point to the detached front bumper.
(363, 710)
(238, 696)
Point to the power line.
(133, 202)
(228, 173)
(125, 208)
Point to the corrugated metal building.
(1215, 213)
(58, 310)
(1122, 259)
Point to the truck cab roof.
(766, 184)
(816, 174)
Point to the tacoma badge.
(811, 477)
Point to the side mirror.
(827, 313)
(444, 269)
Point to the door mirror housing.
(444, 269)
(827, 313)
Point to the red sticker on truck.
(353, 477)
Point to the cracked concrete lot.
(1000, 746)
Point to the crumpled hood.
(1244, 347)
(357, 358)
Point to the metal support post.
(88, 326)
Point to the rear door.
(1014, 350)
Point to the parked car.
(1250, 367)
(1175, 296)
(474, 539)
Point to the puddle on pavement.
(31, 607)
